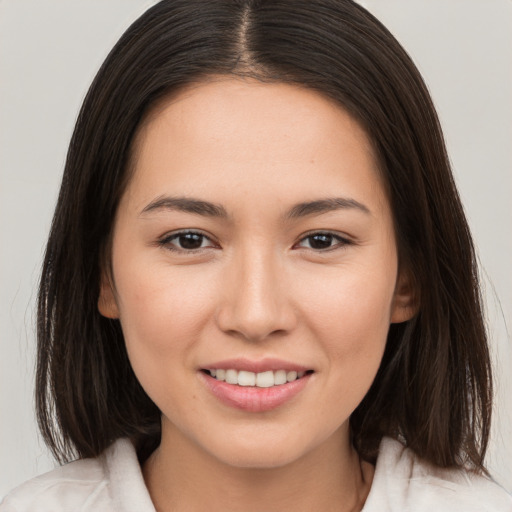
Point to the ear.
(405, 299)
(107, 304)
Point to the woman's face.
(254, 240)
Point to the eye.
(186, 241)
(322, 241)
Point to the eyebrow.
(325, 205)
(208, 209)
(188, 205)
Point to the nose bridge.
(256, 302)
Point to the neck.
(180, 476)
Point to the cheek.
(352, 300)
(350, 316)
(162, 312)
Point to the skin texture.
(256, 288)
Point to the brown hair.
(433, 389)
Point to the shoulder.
(404, 482)
(64, 488)
(102, 484)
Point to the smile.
(266, 379)
(270, 385)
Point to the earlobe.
(405, 299)
(107, 304)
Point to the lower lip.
(254, 399)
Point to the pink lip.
(263, 365)
(253, 399)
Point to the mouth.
(265, 379)
(255, 387)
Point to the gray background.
(49, 53)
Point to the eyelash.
(341, 241)
(167, 240)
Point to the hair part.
(87, 395)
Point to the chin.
(262, 451)
(260, 458)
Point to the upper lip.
(256, 366)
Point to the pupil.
(320, 241)
(190, 241)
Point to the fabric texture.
(114, 482)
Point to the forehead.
(241, 130)
(220, 103)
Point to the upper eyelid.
(172, 234)
(340, 236)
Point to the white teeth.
(291, 376)
(280, 377)
(246, 378)
(231, 376)
(261, 380)
(265, 379)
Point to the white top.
(114, 482)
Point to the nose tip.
(252, 323)
(256, 305)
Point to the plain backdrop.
(49, 53)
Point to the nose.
(256, 301)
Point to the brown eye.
(322, 241)
(190, 241)
(186, 241)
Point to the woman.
(260, 290)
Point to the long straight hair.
(433, 389)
